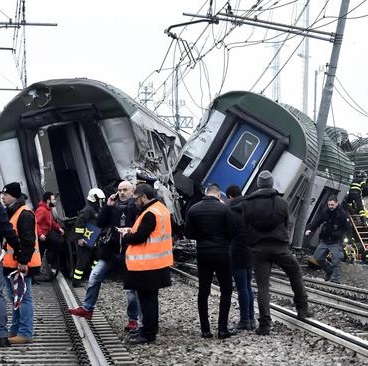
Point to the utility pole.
(324, 109)
(146, 92)
(276, 95)
(178, 121)
(305, 56)
(22, 23)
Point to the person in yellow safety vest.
(355, 196)
(20, 264)
(148, 258)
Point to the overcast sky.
(123, 43)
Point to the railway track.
(289, 318)
(62, 339)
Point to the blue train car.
(243, 133)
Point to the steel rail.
(92, 348)
(289, 318)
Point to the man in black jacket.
(266, 217)
(336, 224)
(209, 222)
(120, 210)
(6, 231)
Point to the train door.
(241, 155)
(63, 150)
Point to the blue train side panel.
(243, 133)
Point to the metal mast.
(305, 58)
(324, 109)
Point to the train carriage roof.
(334, 163)
(303, 143)
(109, 101)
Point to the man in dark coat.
(209, 222)
(241, 261)
(7, 232)
(336, 224)
(120, 210)
(148, 259)
(266, 216)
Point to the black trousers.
(208, 265)
(53, 244)
(84, 256)
(149, 307)
(356, 198)
(263, 258)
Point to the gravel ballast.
(179, 341)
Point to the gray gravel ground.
(179, 342)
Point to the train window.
(243, 150)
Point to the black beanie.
(13, 189)
(265, 180)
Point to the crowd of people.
(133, 233)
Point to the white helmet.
(94, 194)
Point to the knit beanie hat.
(13, 189)
(265, 179)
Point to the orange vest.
(9, 261)
(157, 251)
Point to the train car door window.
(243, 150)
(241, 153)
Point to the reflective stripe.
(77, 277)
(77, 271)
(156, 252)
(160, 239)
(79, 230)
(149, 256)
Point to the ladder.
(360, 231)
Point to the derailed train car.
(244, 133)
(70, 135)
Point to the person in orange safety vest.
(20, 264)
(148, 258)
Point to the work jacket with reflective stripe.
(9, 261)
(156, 251)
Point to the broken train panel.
(70, 135)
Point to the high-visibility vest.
(9, 261)
(156, 252)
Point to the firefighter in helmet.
(355, 199)
(87, 219)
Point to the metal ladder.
(360, 231)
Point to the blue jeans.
(336, 250)
(243, 279)
(99, 273)
(22, 318)
(3, 317)
(134, 309)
